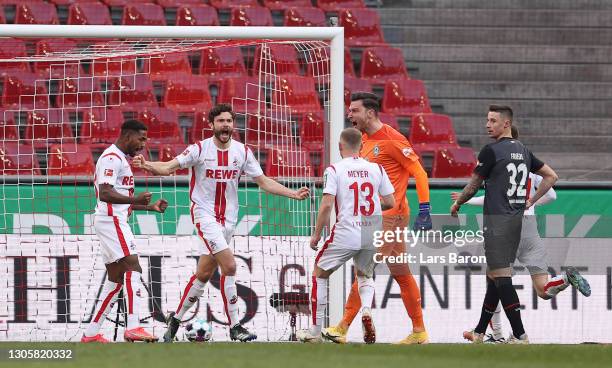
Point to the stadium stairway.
(551, 60)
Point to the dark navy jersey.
(505, 166)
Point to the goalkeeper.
(387, 147)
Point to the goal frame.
(335, 35)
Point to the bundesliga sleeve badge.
(108, 172)
(407, 151)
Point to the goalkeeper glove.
(423, 220)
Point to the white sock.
(230, 299)
(135, 293)
(108, 297)
(318, 299)
(366, 290)
(556, 285)
(193, 290)
(496, 323)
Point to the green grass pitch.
(294, 355)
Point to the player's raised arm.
(272, 186)
(474, 201)
(156, 167)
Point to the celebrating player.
(387, 147)
(353, 186)
(114, 185)
(503, 166)
(217, 164)
(532, 254)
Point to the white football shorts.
(116, 238)
(214, 237)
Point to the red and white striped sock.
(318, 299)
(193, 291)
(134, 293)
(556, 285)
(230, 299)
(108, 297)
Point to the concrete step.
(543, 54)
(511, 71)
(523, 90)
(475, 125)
(584, 175)
(544, 143)
(501, 4)
(497, 35)
(526, 107)
(533, 18)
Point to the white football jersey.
(357, 184)
(113, 168)
(213, 186)
(533, 182)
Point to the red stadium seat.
(135, 91)
(18, 159)
(286, 4)
(2, 18)
(312, 131)
(352, 85)
(57, 69)
(48, 126)
(161, 67)
(282, 58)
(89, 13)
(8, 130)
(348, 63)
(304, 17)
(338, 5)
(405, 97)
(251, 16)
(241, 93)
(162, 124)
(24, 91)
(113, 67)
(201, 129)
(83, 92)
(101, 126)
(177, 3)
(457, 162)
(11, 48)
(218, 63)
(197, 15)
(123, 3)
(389, 119)
(380, 64)
(167, 152)
(36, 13)
(288, 163)
(143, 15)
(70, 159)
(268, 133)
(432, 129)
(226, 4)
(298, 93)
(187, 93)
(361, 27)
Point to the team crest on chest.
(376, 150)
(235, 162)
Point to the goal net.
(63, 101)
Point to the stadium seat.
(101, 126)
(227, 4)
(37, 12)
(382, 63)
(123, 3)
(70, 159)
(217, 63)
(187, 93)
(286, 4)
(318, 64)
(24, 91)
(2, 18)
(290, 163)
(80, 93)
(11, 48)
(282, 58)
(48, 126)
(389, 119)
(161, 67)
(8, 130)
(338, 5)
(134, 90)
(197, 15)
(83, 13)
(268, 133)
(352, 85)
(167, 152)
(56, 69)
(162, 124)
(361, 27)
(298, 93)
(304, 17)
(432, 129)
(405, 97)
(177, 3)
(251, 16)
(312, 130)
(242, 93)
(457, 162)
(348, 63)
(201, 130)
(143, 15)
(18, 159)
(113, 67)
